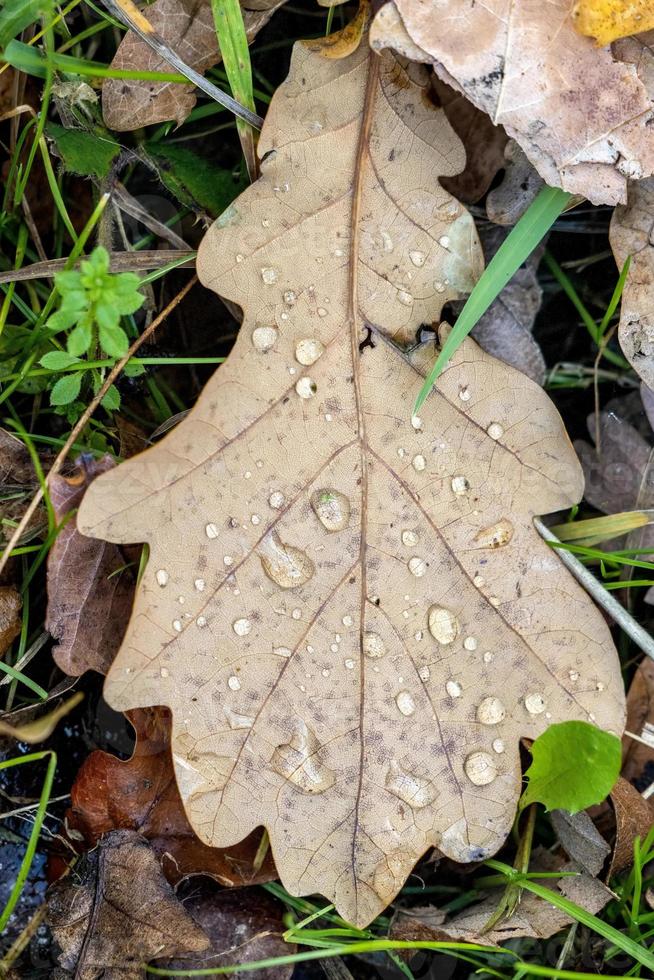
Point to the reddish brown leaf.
(10, 607)
(634, 816)
(141, 794)
(90, 590)
(638, 759)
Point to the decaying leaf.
(116, 911)
(243, 926)
(638, 759)
(188, 27)
(632, 234)
(17, 482)
(582, 117)
(90, 587)
(37, 730)
(533, 918)
(607, 20)
(634, 817)
(581, 840)
(141, 795)
(10, 618)
(520, 184)
(349, 611)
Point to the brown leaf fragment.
(614, 476)
(581, 840)
(115, 912)
(533, 918)
(632, 234)
(10, 616)
(483, 142)
(141, 795)
(90, 590)
(243, 926)
(582, 117)
(187, 27)
(638, 759)
(298, 506)
(17, 482)
(634, 817)
(507, 202)
(505, 329)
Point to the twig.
(118, 262)
(127, 12)
(603, 598)
(88, 412)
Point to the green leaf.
(68, 280)
(58, 360)
(82, 152)
(62, 320)
(194, 180)
(106, 315)
(113, 340)
(66, 389)
(516, 247)
(133, 370)
(111, 401)
(81, 338)
(17, 15)
(574, 765)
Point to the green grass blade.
(233, 42)
(518, 245)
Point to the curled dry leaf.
(638, 759)
(243, 926)
(533, 918)
(141, 795)
(632, 234)
(187, 27)
(368, 620)
(581, 840)
(582, 117)
(116, 911)
(90, 589)
(634, 817)
(38, 729)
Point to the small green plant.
(93, 300)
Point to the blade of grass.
(518, 245)
(233, 43)
(598, 529)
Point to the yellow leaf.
(607, 20)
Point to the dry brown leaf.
(484, 144)
(187, 27)
(533, 918)
(634, 817)
(638, 759)
(10, 618)
(581, 840)
(90, 589)
(520, 184)
(582, 118)
(243, 926)
(18, 481)
(116, 911)
(632, 234)
(369, 621)
(141, 794)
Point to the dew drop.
(573, 675)
(491, 711)
(201, 621)
(332, 509)
(416, 422)
(308, 351)
(417, 566)
(299, 761)
(347, 621)
(349, 664)
(276, 499)
(269, 275)
(418, 258)
(406, 299)
(405, 703)
(488, 657)
(211, 530)
(535, 704)
(439, 287)
(460, 485)
(413, 790)
(306, 387)
(162, 577)
(464, 394)
(444, 241)
(164, 672)
(496, 536)
(264, 338)
(419, 463)
(296, 614)
(409, 538)
(479, 580)
(235, 720)
(241, 627)
(454, 689)
(498, 746)
(234, 683)
(282, 651)
(387, 241)
(290, 297)
(199, 584)
(423, 672)
(177, 626)
(255, 519)
(287, 566)
(480, 768)
(443, 625)
(495, 430)
(373, 645)
(321, 311)
(470, 643)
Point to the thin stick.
(603, 598)
(88, 412)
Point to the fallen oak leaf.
(634, 817)
(90, 587)
(115, 912)
(188, 26)
(586, 123)
(608, 20)
(308, 694)
(141, 794)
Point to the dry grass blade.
(118, 262)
